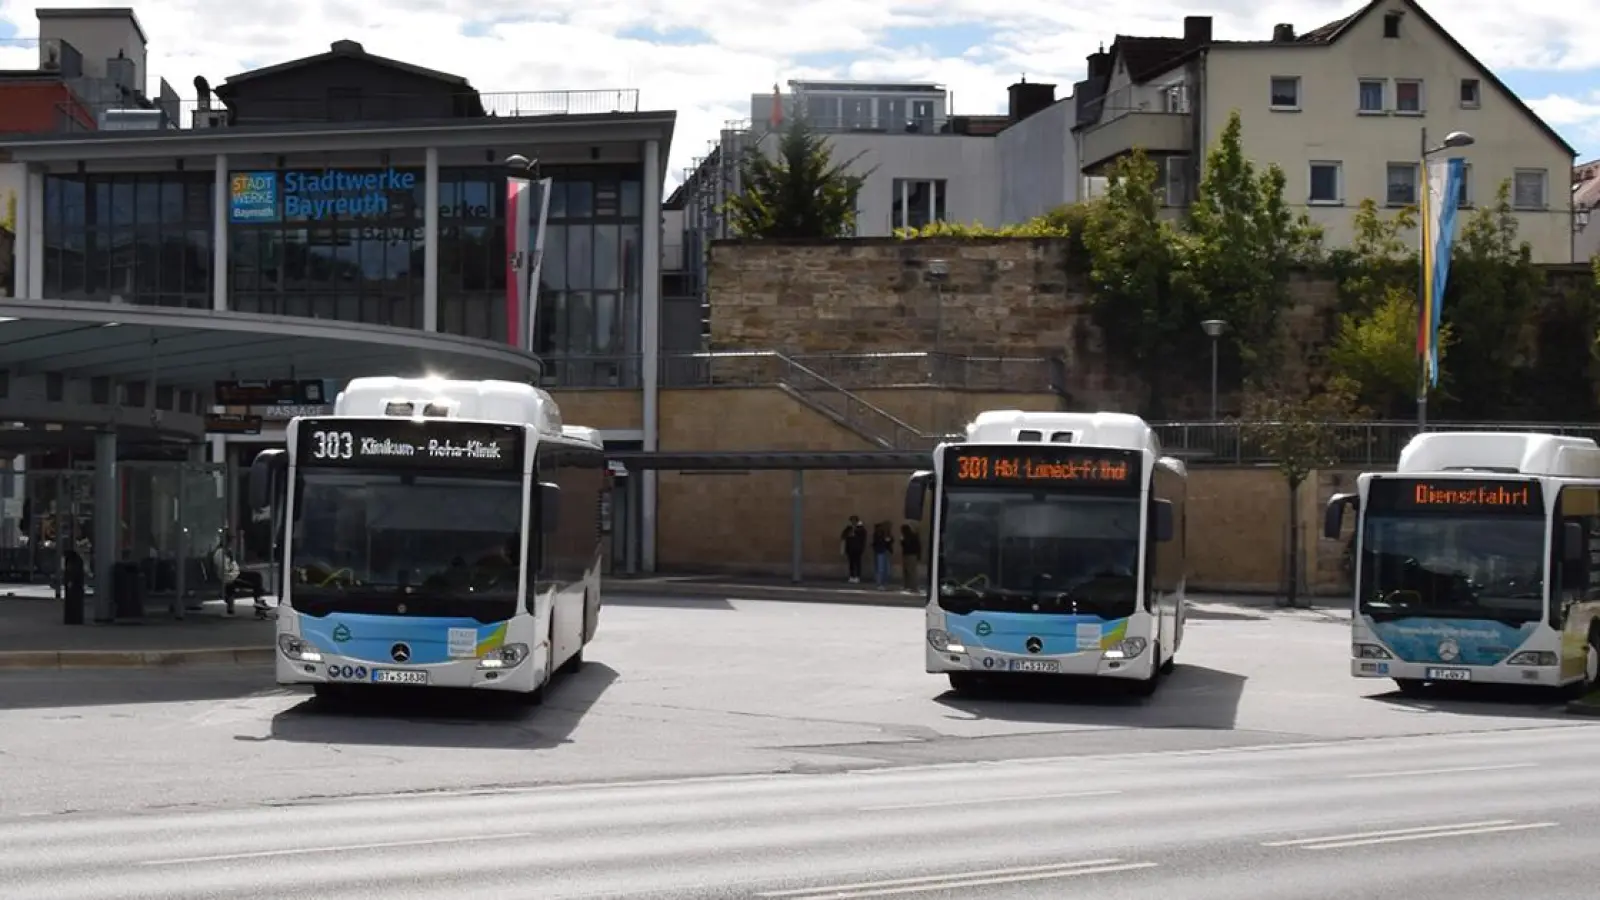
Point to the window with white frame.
(1464, 189)
(1401, 184)
(1327, 183)
(1285, 92)
(1370, 95)
(1530, 189)
(918, 202)
(1408, 96)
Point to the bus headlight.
(506, 657)
(1369, 651)
(1127, 648)
(941, 641)
(297, 649)
(1533, 658)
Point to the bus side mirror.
(1333, 516)
(1574, 547)
(1161, 521)
(266, 471)
(549, 507)
(916, 494)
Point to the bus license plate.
(1035, 665)
(1449, 675)
(400, 676)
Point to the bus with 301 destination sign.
(1057, 548)
(435, 532)
(1477, 560)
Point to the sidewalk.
(32, 635)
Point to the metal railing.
(76, 116)
(1356, 443)
(850, 371)
(871, 422)
(1172, 99)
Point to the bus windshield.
(1446, 566)
(364, 533)
(1021, 551)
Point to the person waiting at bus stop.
(852, 544)
(235, 578)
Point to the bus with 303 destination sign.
(1477, 560)
(435, 532)
(1057, 549)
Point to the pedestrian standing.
(910, 556)
(882, 553)
(853, 544)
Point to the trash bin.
(127, 591)
(72, 590)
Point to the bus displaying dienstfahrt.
(1056, 548)
(1477, 560)
(435, 532)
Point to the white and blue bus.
(1477, 560)
(435, 532)
(1056, 548)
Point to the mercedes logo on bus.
(400, 653)
(1034, 645)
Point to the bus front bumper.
(1444, 673)
(984, 661)
(300, 663)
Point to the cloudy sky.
(704, 58)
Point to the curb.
(706, 589)
(1583, 709)
(690, 589)
(134, 659)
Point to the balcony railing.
(1358, 443)
(366, 107)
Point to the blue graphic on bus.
(1465, 642)
(372, 638)
(1009, 632)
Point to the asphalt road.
(1441, 817)
(678, 688)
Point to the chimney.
(1283, 34)
(1100, 64)
(1196, 30)
(1027, 99)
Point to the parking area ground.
(679, 687)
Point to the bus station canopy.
(197, 348)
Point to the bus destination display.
(1456, 495)
(403, 444)
(1043, 466)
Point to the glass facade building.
(349, 244)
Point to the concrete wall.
(1037, 160)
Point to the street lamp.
(1214, 329)
(1451, 141)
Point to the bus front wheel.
(1146, 687)
(964, 682)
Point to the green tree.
(1132, 258)
(799, 193)
(1378, 259)
(1376, 349)
(1301, 434)
(1492, 292)
(1241, 243)
(1068, 222)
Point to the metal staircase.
(871, 423)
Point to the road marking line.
(978, 882)
(1527, 765)
(1371, 834)
(939, 879)
(1396, 835)
(342, 848)
(1468, 832)
(941, 803)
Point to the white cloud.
(739, 47)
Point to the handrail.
(898, 427)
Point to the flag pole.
(1423, 312)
